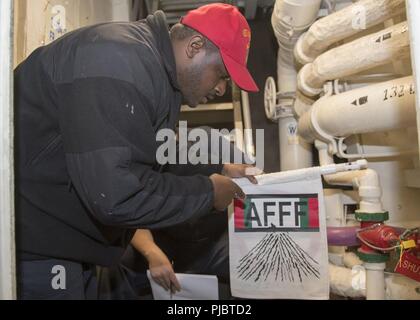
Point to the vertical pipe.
(290, 19)
(295, 153)
(249, 140)
(7, 241)
(375, 281)
(413, 16)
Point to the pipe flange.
(372, 257)
(300, 56)
(372, 217)
(303, 86)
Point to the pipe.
(290, 19)
(346, 282)
(295, 153)
(381, 107)
(351, 282)
(413, 16)
(302, 104)
(368, 52)
(343, 24)
(249, 140)
(375, 281)
(351, 260)
(366, 181)
(343, 236)
(309, 173)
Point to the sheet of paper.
(194, 287)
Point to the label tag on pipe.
(409, 266)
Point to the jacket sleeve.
(110, 144)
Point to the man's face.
(203, 78)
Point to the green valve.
(373, 257)
(372, 217)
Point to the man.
(89, 107)
(199, 246)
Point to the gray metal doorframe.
(7, 229)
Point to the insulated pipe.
(344, 23)
(381, 107)
(302, 104)
(290, 19)
(366, 53)
(346, 282)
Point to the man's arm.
(110, 153)
(161, 269)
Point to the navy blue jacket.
(88, 108)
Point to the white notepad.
(193, 287)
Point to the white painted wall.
(39, 22)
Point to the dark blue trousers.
(56, 280)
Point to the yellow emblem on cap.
(247, 34)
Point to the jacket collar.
(159, 26)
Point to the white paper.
(193, 287)
(280, 254)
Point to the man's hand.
(241, 171)
(225, 190)
(162, 271)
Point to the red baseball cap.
(228, 29)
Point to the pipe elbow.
(304, 81)
(299, 53)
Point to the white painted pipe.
(370, 193)
(381, 107)
(290, 19)
(7, 214)
(413, 16)
(309, 173)
(295, 153)
(365, 181)
(362, 54)
(344, 23)
(121, 10)
(249, 139)
(375, 281)
(302, 104)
